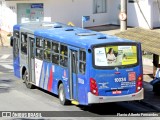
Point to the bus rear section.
(116, 73)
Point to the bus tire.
(61, 94)
(26, 80)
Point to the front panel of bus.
(16, 56)
(115, 73)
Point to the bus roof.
(69, 35)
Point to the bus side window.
(82, 62)
(39, 48)
(47, 50)
(55, 47)
(55, 53)
(24, 43)
(39, 54)
(64, 55)
(55, 58)
(39, 43)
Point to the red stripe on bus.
(50, 80)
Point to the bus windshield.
(115, 55)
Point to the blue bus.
(79, 65)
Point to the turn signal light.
(139, 83)
(93, 87)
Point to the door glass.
(24, 43)
(32, 47)
(82, 62)
(74, 62)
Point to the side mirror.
(11, 41)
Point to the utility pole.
(123, 15)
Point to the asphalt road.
(14, 96)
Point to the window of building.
(82, 62)
(39, 48)
(47, 50)
(64, 55)
(24, 43)
(99, 6)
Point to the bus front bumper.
(104, 99)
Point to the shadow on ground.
(5, 85)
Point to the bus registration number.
(120, 79)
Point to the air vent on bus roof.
(57, 26)
(69, 29)
(102, 37)
(47, 25)
(85, 34)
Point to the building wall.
(114, 12)
(59, 11)
(155, 13)
(72, 11)
(135, 16)
(8, 14)
(150, 10)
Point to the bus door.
(73, 69)
(31, 57)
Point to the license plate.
(132, 76)
(116, 92)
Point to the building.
(141, 13)
(144, 13)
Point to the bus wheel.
(26, 80)
(62, 96)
